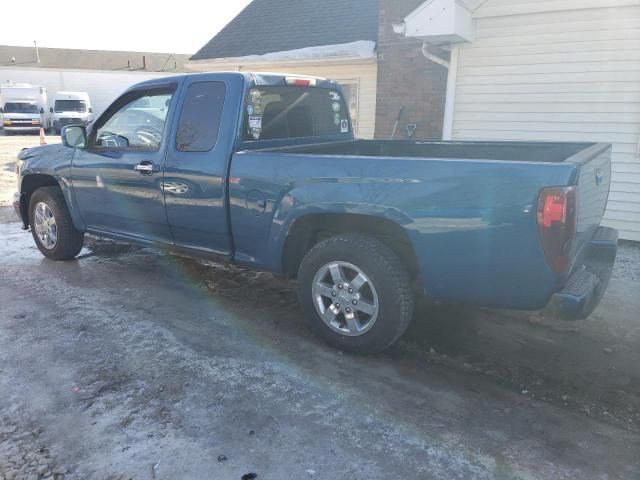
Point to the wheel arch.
(33, 181)
(308, 230)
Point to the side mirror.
(74, 136)
(50, 109)
(114, 141)
(41, 110)
(1, 110)
(90, 110)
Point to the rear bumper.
(588, 282)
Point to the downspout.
(449, 106)
(452, 67)
(434, 58)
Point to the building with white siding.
(565, 70)
(351, 42)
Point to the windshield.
(70, 106)
(21, 107)
(294, 112)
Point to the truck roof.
(73, 94)
(259, 78)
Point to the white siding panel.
(631, 178)
(625, 226)
(631, 198)
(550, 117)
(615, 206)
(625, 187)
(558, 70)
(622, 216)
(499, 8)
(626, 167)
(629, 130)
(586, 76)
(545, 88)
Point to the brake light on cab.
(557, 221)
(300, 81)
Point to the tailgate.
(593, 191)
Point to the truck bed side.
(472, 224)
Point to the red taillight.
(557, 217)
(301, 82)
(554, 209)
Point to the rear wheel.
(51, 225)
(356, 292)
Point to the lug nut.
(340, 286)
(337, 305)
(348, 310)
(351, 290)
(333, 294)
(355, 302)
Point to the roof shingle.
(267, 26)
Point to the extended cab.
(263, 170)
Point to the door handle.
(145, 168)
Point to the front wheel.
(51, 225)
(357, 293)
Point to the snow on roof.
(362, 49)
(267, 26)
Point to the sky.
(140, 25)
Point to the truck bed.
(497, 151)
(469, 208)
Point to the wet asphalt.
(130, 363)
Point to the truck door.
(197, 161)
(117, 178)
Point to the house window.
(351, 90)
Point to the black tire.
(385, 271)
(69, 240)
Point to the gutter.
(434, 58)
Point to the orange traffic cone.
(43, 140)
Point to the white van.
(71, 108)
(23, 108)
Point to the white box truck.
(24, 108)
(71, 108)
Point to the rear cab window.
(289, 112)
(200, 118)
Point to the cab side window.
(139, 124)
(201, 116)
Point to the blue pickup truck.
(263, 170)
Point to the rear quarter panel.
(472, 223)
